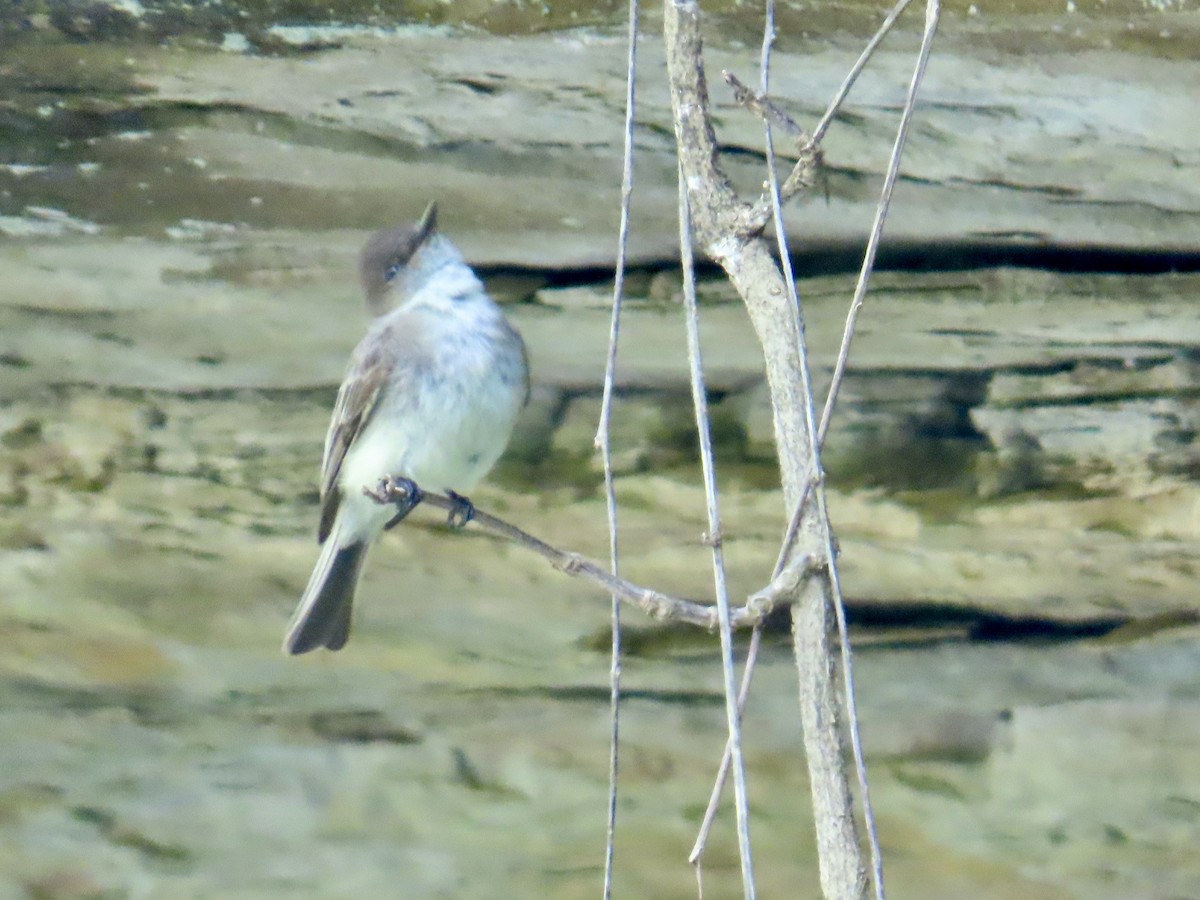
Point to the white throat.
(438, 268)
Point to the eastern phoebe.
(431, 394)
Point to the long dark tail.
(323, 617)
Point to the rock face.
(1012, 466)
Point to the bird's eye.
(392, 271)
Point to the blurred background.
(1014, 466)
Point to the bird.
(431, 394)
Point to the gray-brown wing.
(356, 402)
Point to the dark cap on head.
(387, 252)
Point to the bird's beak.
(428, 224)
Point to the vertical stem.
(700, 402)
(602, 442)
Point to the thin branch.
(848, 82)
(821, 526)
(762, 106)
(602, 442)
(931, 19)
(399, 491)
(881, 211)
(708, 466)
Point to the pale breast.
(457, 383)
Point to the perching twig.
(656, 604)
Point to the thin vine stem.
(714, 537)
(603, 432)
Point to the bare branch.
(790, 570)
(763, 107)
(714, 799)
(889, 182)
(721, 220)
(656, 604)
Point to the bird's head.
(396, 262)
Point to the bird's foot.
(401, 492)
(463, 511)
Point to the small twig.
(763, 107)
(860, 290)
(783, 586)
(790, 571)
(603, 444)
(786, 580)
(655, 604)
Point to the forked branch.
(724, 227)
(809, 156)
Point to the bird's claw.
(462, 512)
(399, 491)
